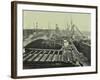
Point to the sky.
(45, 19)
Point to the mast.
(36, 27)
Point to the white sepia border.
(48, 71)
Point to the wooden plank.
(63, 58)
(52, 55)
(36, 55)
(44, 49)
(28, 56)
(58, 56)
(42, 55)
(49, 58)
(54, 58)
(48, 55)
(32, 56)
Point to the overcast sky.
(30, 18)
